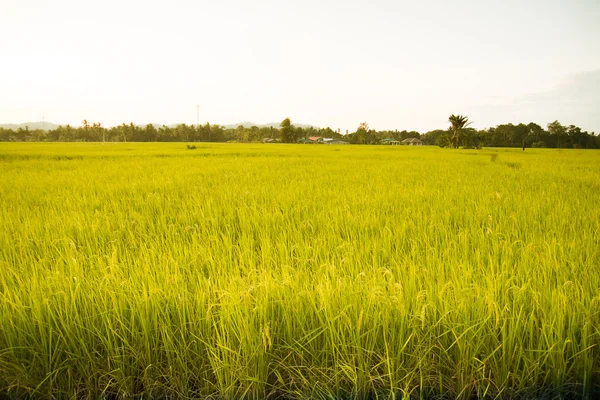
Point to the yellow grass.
(298, 271)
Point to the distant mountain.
(245, 124)
(47, 126)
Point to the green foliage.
(287, 132)
(470, 139)
(444, 139)
(431, 137)
(365, 135)
(457, 122)
(251, 271)
(505, 135)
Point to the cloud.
(576, 90)
(575, 100)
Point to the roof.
(315, 138)
(412, 140)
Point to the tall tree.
(558, 133)
(98, 132)
(151, 133)
(361, 136)
(458, 122)
(85, 125)
(287, 131)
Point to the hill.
(47, 126)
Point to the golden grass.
(298, 271)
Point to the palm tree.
(458, 122)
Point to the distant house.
(412, 142)
(390, 141)
(270, 140)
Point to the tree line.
(555, 135)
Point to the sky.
(394, 64)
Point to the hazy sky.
(395, 64)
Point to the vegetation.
(458, 122)
(506, 135)
(298, 271)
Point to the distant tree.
(6, 135)
(127, 132)
(576, 136)
(150, 133)
(558, 134)
(164, 134)
(471, 139)
(98, 132)
(362, 134)
(265, 132)
(325, 132)
(242, 134)
(535, 132)
(299, 133)
(444, 139)
(184, 133)
(66, 133)
(458, 122)
(83, 131)
(287, 131)
(217, 133)
(504, 135)
(205, 134)
(254, 133)
(431, 137)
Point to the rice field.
(289, 271)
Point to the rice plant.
(253, 271)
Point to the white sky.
(395, 64)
